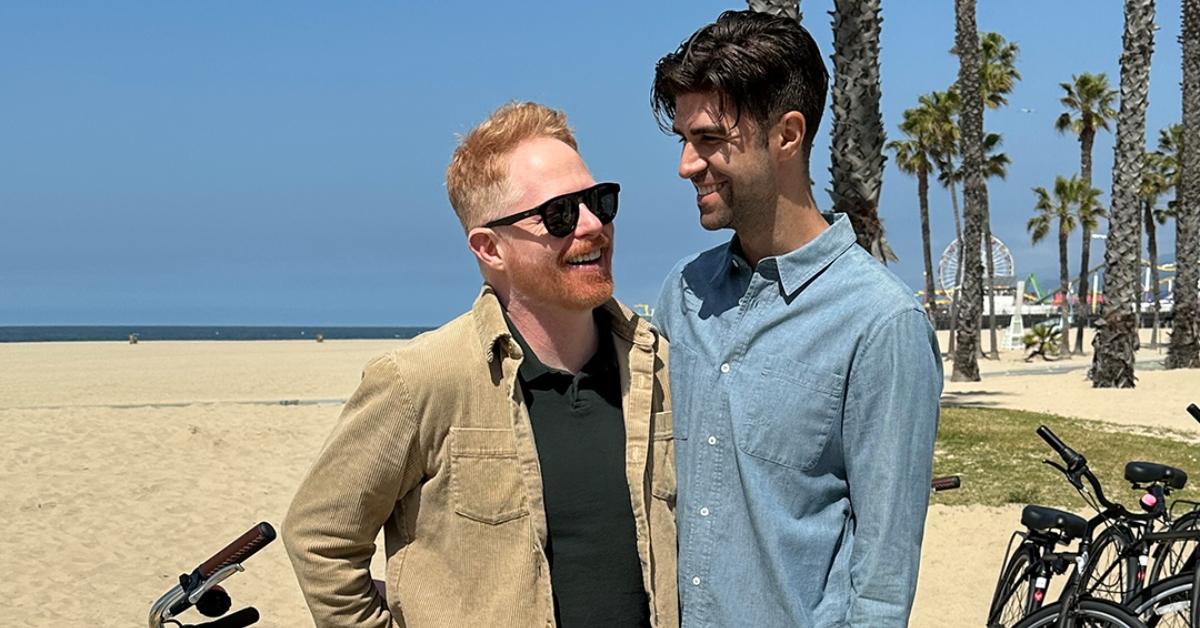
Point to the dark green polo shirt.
(579, 429)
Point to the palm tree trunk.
(958, 275)
(1152, 247)
(991, 283)
(966, 366)
(923, 194)
(1086, 138)
(857, 136)
(1116, 340)
(1185, 333)
(1064, 279)
(1082, 291)
(955, 211)
(784, 8)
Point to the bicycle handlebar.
(1073, 459)
(238, 551)
(945, 483)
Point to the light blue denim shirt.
(805, 398)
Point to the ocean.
(69, 333)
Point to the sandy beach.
(125, 465)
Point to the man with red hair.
(519, 459)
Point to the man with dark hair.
(805, 376)
(519, 459)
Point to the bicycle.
(1178, 556)
(1076, 605)
(1025, 576)
(199, 588)
(1139, 555)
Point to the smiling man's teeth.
(701, 190)
(586, 257)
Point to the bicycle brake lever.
(1071, 477)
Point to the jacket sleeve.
(889, 431)
(367, 465)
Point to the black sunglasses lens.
(560, 215)
(604, 203)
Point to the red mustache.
(585, 247)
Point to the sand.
(1061, 387)
(126, 465)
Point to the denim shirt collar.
(793, 270)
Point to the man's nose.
(690, 163)
(588, 224)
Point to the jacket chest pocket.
(485, 479)
(786, 413)
(663, 470)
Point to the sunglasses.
(561, 213)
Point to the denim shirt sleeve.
(888, 435)
(668, 302)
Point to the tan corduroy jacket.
(436, 448)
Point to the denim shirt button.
(712, 440)
(704, 512)
(725, 367)
(696, 580)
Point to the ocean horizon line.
(124, 332)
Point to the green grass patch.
(999, 456)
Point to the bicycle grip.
(238, 551)
(1194, 411)
(1069, 456)
(946, 483)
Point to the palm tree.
(994, 165)
(1158, 174)
(928, 139)
(1184, 351)
(966, 367)
(1117, 339)
(1088, 100)
(997, 76)
(857, 136)
(999, 69)
(784, 8)
(1042, 339)
(1068, 193)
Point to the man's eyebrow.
(707, 129)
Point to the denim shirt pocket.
(485, 481)
(786, 412)
(683, 369)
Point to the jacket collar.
(493, 332)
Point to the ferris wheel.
(1002, 260)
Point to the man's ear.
(788, 135)
(485, 244)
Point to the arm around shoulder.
(365, 466)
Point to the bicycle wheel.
(1176, 556)
(1089, 614)
(1107, 575)
(1013, 599)
(1167, 603)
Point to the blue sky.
(282, 163)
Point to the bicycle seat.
(1041, 519)
(1146, 472)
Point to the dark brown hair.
(762, 65)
